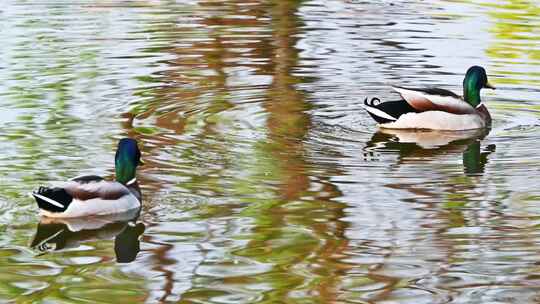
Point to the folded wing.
(434, 100)
(101, 189)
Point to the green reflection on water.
(517, 41)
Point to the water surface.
(265, 181)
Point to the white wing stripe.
(378, 113)
(48, 200)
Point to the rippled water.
(265, 181)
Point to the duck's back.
(84, 196)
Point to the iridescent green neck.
(124, 169)
(471, 90)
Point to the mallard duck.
(92, 195)
(434, 108)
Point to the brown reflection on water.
(299, 229)
(288, 124)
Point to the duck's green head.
(475, 80)
(128, 157)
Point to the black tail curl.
(390, 109)
(374, 102)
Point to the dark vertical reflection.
(293, 241)
(475, 160)
(295, 212)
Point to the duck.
(92, 195)
(435, 108)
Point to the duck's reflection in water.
(475, 158)
(54, 234)
(411, 144)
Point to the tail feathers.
(376, 113)
(388, 111)
(52, 199)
